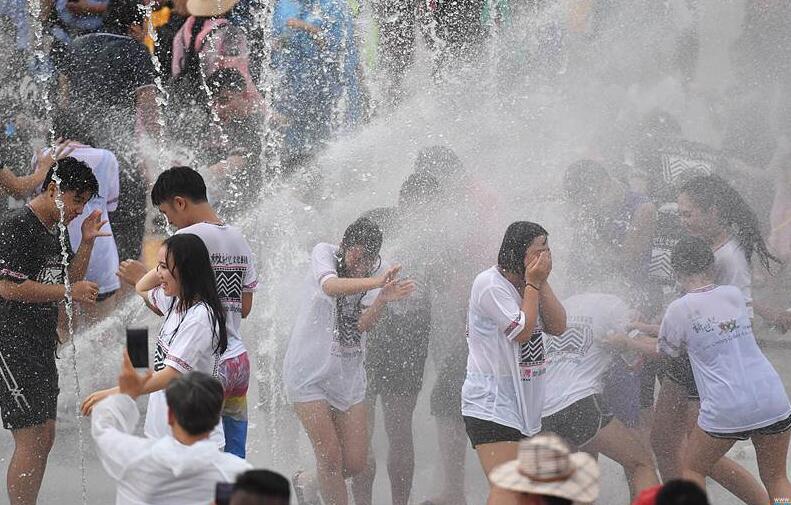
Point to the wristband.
(532, 286)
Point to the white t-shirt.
(739, 388)
(185, 343)
(103, 264)
(577, 360)
(505, 379)
(325, 353)
(732, 269)
(234, 267)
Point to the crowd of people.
(645, 350)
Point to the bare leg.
(620, 444)
(669, 428)
(703, 451)
(492, 455)
(727, 472)
(318, 421)
(771, 452)
(29, 462)
(363, 483)
(352, 427)
(738, 481)
(452, 438)
(398, 411)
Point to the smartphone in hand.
(137, 346)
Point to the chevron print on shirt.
(531, 353)
(677, 169)
(576, 339)
(229, 284)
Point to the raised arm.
(148, 282)
(392, 291)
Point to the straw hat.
(546, 466)
(210, 8)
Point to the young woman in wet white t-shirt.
(193, 335)
(712, 210)
(574, 405)
(323, 369)
(511, 306)
(741, 395)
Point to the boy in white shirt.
(181, 469)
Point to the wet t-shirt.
(578, 359)
(668, 165)
(185, 343)
(326, 349)
(739, 389)
(505, 379)
(233, 263)
(30, 252)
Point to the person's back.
(104, 258)
(181, 468)
(739, 388)
(578, 359)
(234, 267)
(170, 473)
(104, 73)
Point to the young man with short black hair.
(32, 283)
(180, 194)
(178, 469)
(261, 487)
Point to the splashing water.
(162, 99)
(44, 79)
(69, 309)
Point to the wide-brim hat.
(546, 466)
(210, 8)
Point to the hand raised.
(389, 275)
(85, 292)
(397, 290)
(131, 271)
(92, 226)
(538, 269)
(129, 381)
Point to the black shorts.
(28, 384)
(579, 422)
(648, 383)
(679, 370)
(488, 432)
(772, 429)
(395, 356)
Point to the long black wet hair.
(517, 239)
(188, 256)
(363, 233)
(712, 191)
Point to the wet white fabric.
(732, 269)
(324, 359)
(739, 389)
(234, 267)
(103, 263)
(157, 471)
(578, 359)
(505, 379)
(185, 343)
